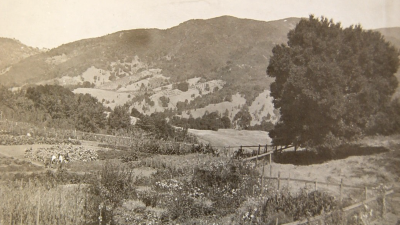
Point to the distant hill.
(13, 51)
(392, 35)
(222, 59)
(194, 68)
(225, 46)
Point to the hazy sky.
(50, 23)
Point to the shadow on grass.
(311, 157)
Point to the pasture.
(113, 98)
(232, 137)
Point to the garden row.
(75, 153)
(27, 140)
(159, 147)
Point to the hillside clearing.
(114, 98)
(231, 137)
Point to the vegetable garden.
(160, 182)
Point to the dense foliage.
(64, 109)
(242, 119)
(53, 106)
(209, 121)
(157, 125)
(119, 118)
(331, 84)
(183, 86)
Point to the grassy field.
(231, 137)
(114, 98)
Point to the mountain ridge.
(140, 40)
(222, 61)
(13, 51)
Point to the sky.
(50, 23)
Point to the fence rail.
(322, 183)
(348, 208)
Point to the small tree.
(119, 118)
(329, 82)
(243, 118)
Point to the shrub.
(183, 86)
(205, 149)
(287, 207)
(116, 182)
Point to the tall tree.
(243, 118)
(119, 118)
(329, 82)
(89, 115)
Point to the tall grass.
(32, 202)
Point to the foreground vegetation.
(115, 194)
(159, 182)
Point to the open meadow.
(232, 137)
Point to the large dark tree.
(89, 115)
(330, 82)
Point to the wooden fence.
(320, 219)
(366, 189)
(125, 140)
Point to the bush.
(288, 207)
(205, 149)
(116, 182)
(183, 86)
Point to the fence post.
(279, 180)
(258, 153)
(288, 182)
(315, 185)
(384, 204)
(100, 217)
(11, 211)
(38, 210)
(341, 191)
(270, 165)
(262, 179)
(366, 193)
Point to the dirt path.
(18, 151)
